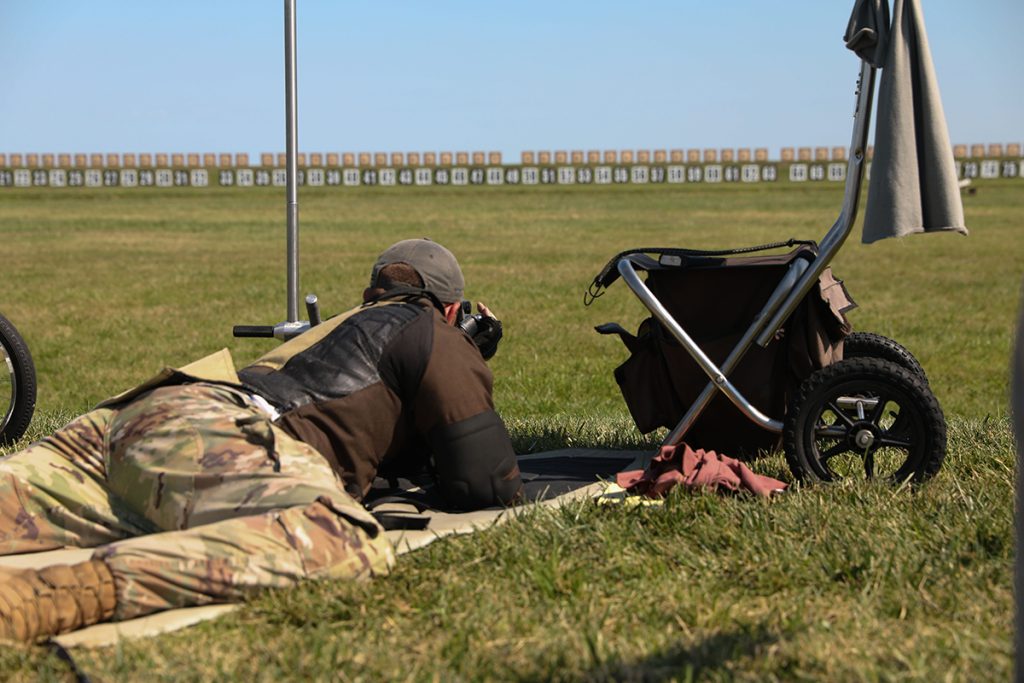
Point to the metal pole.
(1017, 410)
(292, 147)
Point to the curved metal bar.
(841, 229)
(633, 281)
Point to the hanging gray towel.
(913, 186)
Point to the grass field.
(851, 582)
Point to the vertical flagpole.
(292, 144)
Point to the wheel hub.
(863, 439)
(863, 436)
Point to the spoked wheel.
(17, 384)
(865, 417)
(869, 344)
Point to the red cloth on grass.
(680, 464)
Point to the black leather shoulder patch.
(345, 361)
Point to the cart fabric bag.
(715, 301)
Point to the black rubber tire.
(17, 382)
(871, 345)
(911, 442)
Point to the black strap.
(62, 653)
(401, 521)
(631, 341)
(610, 273)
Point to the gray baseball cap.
(436, 266)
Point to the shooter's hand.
(488, 332)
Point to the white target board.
(315, 177)
(560, 172)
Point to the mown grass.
(851, 582)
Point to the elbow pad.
(476, 466)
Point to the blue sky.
(207, 76)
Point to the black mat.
(544, 477)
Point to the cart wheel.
(869, 344)
(17, 384)
(864, 417)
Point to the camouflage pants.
(191, 496)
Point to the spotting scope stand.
(283, 330)
(292, 327)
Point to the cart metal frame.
(791, 290)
